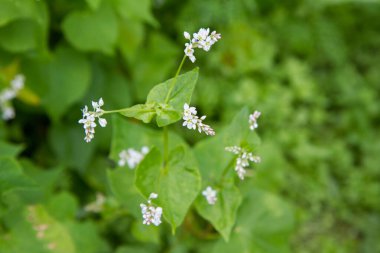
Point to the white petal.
(102, 122)
(186, 35)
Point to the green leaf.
(56, 234)
(238, 132)
(170, 111)
(69, 147)
(86, 238)
(265, 223)
(19, 36)
(121, 181)
(131, 35)
(180, 94)
(138, 10)
(11, 176)
(63, 206)
(177, 184)
(143, 112)
(60, 81)
(92, 30)
(9, 150)
(222, 214)
(94, 4)
(11, 10)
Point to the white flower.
(8, 113)
(132, 157)
(210, 195)
(242, 161)
(253, 120)
(202, 39)
(18, 82)
(88, 119)
(189, 51)
(8, 94)
(192, 121)
(186, 35)
(151, 214)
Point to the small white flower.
(151, 214)
(186, 35)
(18, 82)
(132, 157)
(210, 195)
(202, 40)
(192, 121)
(8, 113)
(88, 119)
(102, 122)
(253, 120)
(243, 159)
(153, 195)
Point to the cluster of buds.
(210, 195)
(132, 157)
(192, 121)
(253, 120)
(203, 39)
(242, 161)
(8, 94)
(88, 119)
(151, 214)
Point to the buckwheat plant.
(169, 168)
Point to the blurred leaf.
(60, 81)
(122, 186)
(145, 233)
(140, 10)
(222, 214)
(18, 36)
(86, 237)
(11, 176)
(264, 225)
(69, 146)
(63, 206)
(158, 59)
(94, 4)
(131, 35)
(16, 9)
(92, 30)
(56, 236)
(9, 150)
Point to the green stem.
(126, 109)
(166, 146)
(113, 111)
(174, 80)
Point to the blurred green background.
(311, 67)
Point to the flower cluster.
(150, 213)
(210, 195)
(242, 160)
(88, 119)
(253, 120)
(192, 121)
(203, 39)
(132, 157)
(8, 94)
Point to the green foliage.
(310, 67)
